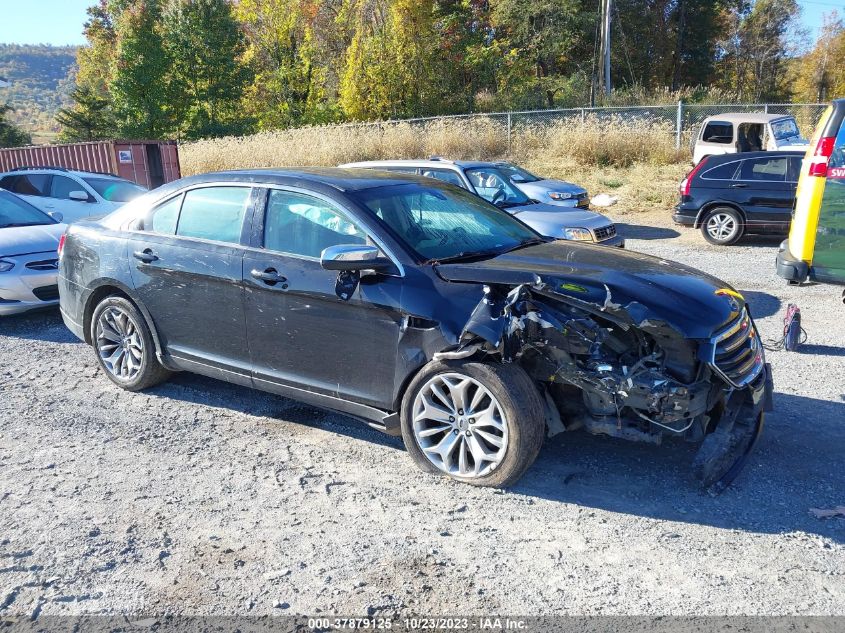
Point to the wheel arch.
(707, 208)
(112, 287)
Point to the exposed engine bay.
(608, 375)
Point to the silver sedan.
(29, 262)
(557, 192)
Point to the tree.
(10, 135)
(141, 102)
(553, 39)
(820, 75)
(756, 52)
(89, 119)
(288, 85)
(206, 78)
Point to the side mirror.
(56, 215)
(353, 257)
(79, 196)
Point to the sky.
(60, 21)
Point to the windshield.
(16, 212)
(114, 190)
(523, 174)
(444, 222)
(783, 129)
(494, 185)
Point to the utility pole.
(604, 49)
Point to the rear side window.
(718, 132)
(793, 168)
(764, 169)
(214, 213)
(722, 172)
(28, 184)
(302, 225)
(62, 186)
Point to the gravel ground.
(200, 497)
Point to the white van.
(736, 132)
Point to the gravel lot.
(200, 497)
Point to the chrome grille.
(44, 264)
(737, 352)
(605, 232)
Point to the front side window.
(29, 185)
(214, 213)
(302, 225)
(115, 190)
(494, 185)
(441, 222)
(62, 186)
(764, 169)
(718, 132)
(164, 217)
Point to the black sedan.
(419, 308)
(730, 195)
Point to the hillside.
(39, 84)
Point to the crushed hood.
(23, 240)
(625, 284)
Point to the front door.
(301, 332)
(187, 271)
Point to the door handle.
(739, 185)
(269, 276)
(147, 256)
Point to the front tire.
(124, 345)
(722, 226)
(478, 423)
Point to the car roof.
(58, 171)
(337, 178)
(746, 117)
(432, 163)
(727, 158)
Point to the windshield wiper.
(19, 224)
(464, 255)
(508, 205)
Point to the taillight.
(61, 245)
(820, 158)
(686, 182)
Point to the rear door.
(33, 188)
(765, 194)
(187, 271)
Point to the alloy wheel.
(459, 426)
(119, 343)
(721, 226)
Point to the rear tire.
(479, 423)
(124, 345)
(722, 226)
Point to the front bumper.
(617, 240)
(30, 285)
(788, 267)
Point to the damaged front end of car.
(618, 369)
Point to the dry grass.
(635, 161)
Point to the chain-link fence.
(682, 120)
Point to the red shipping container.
(148, 163)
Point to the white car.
(77, 195)
(737, 132)
(29, 262)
